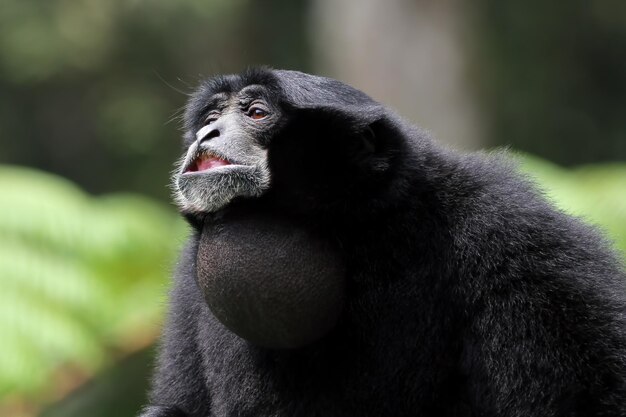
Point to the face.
(318, 143)
(227, 144)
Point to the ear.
(369, 147)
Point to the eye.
(257, 113)
(211, 118)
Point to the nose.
(208, 132)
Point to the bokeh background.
(90, 98)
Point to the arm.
(547, 347)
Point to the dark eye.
(211, 118)
(257, 113)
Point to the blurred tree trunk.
(406, 54)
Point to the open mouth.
(206, 161)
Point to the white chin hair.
(211, 191)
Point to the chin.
(211, 190)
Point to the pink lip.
(206, 162)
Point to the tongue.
(204, 164)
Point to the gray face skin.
(227, 159)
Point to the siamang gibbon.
(342, 263)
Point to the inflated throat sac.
(270, 281)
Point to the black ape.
(431, 284)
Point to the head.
(300, 143)
(308, 139)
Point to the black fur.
(468, 294)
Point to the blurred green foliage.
(83, 279)
(595, 193)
